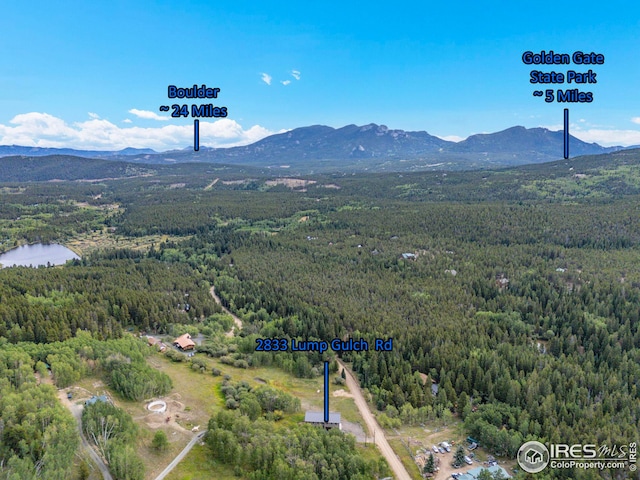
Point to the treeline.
(38, 436)
(260, 450)
(173, 212)
(113, 432)
(65, 167)
(101, 296)
(24, 225)
(52, 194)
(255, 402)
(137, 381)
(592, 177)
(121, 362)
(48, 212)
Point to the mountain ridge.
(614, 168)
(12, 150)
(370, 147)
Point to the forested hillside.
(101, 296)
(520, 296)
(547, 329)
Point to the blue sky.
(93, 74)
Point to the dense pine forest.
(518, 294)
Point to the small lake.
(38, 254)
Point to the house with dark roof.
(317, 419)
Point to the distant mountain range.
(10, 150)
(366, 148)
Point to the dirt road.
(76, 410)
(210, 186)
(181, 455)
(372, 424)
(236, 320)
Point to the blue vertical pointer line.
(326, 392)
(196, 135)
(566, 133)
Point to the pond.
(37, 254)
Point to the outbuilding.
(317, 419)
(94, 399)
(475, 473)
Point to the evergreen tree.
(429, 466)
(458, 457)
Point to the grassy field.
(432, 434)
(191, 402)
(198, 465)
(405, 458)
(154, 461)
(196, 396)
(418, 437)
(101, 240)
(201, 396)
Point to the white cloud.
(93, 115)
(635, 119)
(127, 120)
(148, 115)
(44, 130)
(608, 138)
(295, 74)
(451, 138)
(266, 78)
(285, 82)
